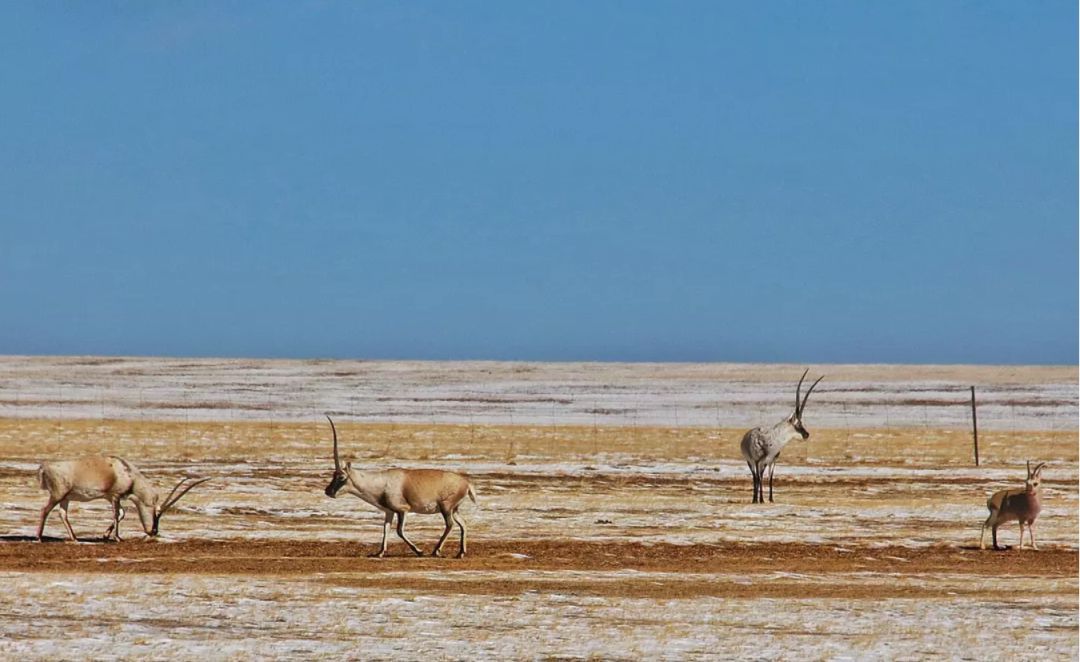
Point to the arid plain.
(614, 516)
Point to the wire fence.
(938, 406)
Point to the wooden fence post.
(975, 425)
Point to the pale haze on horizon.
(836, 182)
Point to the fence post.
(975, 425)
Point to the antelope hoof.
(435, 554)
(377, 555)
(418, 552)
(460, 555)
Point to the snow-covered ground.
(210, 618)
(606, 394)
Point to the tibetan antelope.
(400, 491)
(761, 446)
(1020, 504)
(111, 478)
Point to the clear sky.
(688, 181)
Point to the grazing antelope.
(111, 478)
(761, 446)
(400, 491)
(1017, 504)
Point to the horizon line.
(208, 357)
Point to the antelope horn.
(171, 500)
(1039, 466)
(798, 407)
(337, 460)
(1029, 468)
(807, 396)
(165, 503)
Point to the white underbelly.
(425, 508)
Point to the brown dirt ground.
(728, 563)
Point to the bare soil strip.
(258, 557)
(666, 588)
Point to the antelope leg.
(387, 518)
(401, 534)
(44, 515)
(461, 525)
(64, 516)
(448, 518)
(753, 474)
(114, 529)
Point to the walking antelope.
(400, 491)
(111, 478)
(761, 446)
(1018, 504)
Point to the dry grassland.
(588, 542)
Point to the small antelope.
(111, 478)
(761, 446)
(400, 491)
(1018, 504)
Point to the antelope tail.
(472, 495)
(41, 477)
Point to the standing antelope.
(110, 478)
(761, 446)
(1017, 504)
(400, 491)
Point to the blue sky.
(691, 181)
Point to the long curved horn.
(807, 396)
(798, 407)
(337, 460)
(1029, 468)
(1038, 467)
(171, 500)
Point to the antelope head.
(795, 420)
(1034, 477)
(340, 476)
(151, 510)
